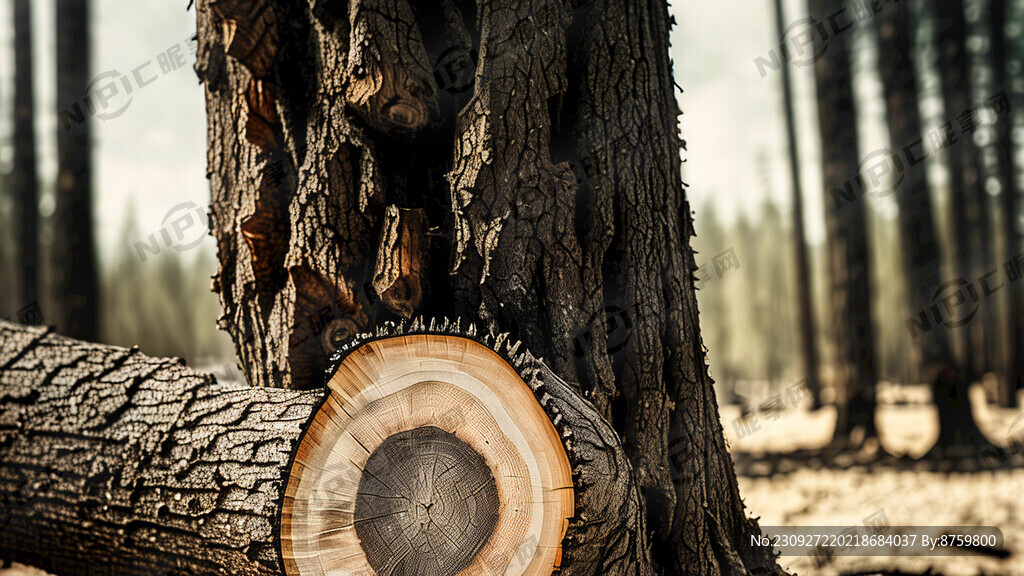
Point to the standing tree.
(1008, 73)
(922, 258)
(958, 432)
(24, 182)
(950, 31)
(515, 165)
(979, 138)
(846, 222)
(804, 303)
(75, 259)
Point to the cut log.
(115, 463)
(430, 457)
(433, 451)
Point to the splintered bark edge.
(599, 507)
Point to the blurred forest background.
(147, 150)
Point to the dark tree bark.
(115, 463)
(978, 51)
(804, 305)
(74, 248)
(1007, 60)
(24, 182)
(950, 33)
(551, 188)
(922, 258)
(958, 432)
(920, 247)
(847, 240)
(112, 462)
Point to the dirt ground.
(846, 497)
(829, 497)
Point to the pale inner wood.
(400, 384)
(427, 503)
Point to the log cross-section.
(430, 457)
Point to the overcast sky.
(151, 156)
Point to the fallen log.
(112, 462)
(432, 451)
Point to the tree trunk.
(846, 224)
(76, 285)
(115, 463)
(978, 51)
(804, 305)
(24, 182)
(921, 255)
(950, 32)
(554, 211)
(922, 258)
(958, 432)
(1007, 62)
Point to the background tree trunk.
(1007, 59)
(554, 206)
(978, 52)
(958, 432)
(804, 304)
(920, 246)
(950, 33)
(115, 463)
(75, 258)
(1007, 63)
(24, 182)
(846, 225)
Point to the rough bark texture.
(398, 279)
(847, 242)
(24, 182)
(115, 463)
(804, 305)
(554, 206)
(77, 284)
